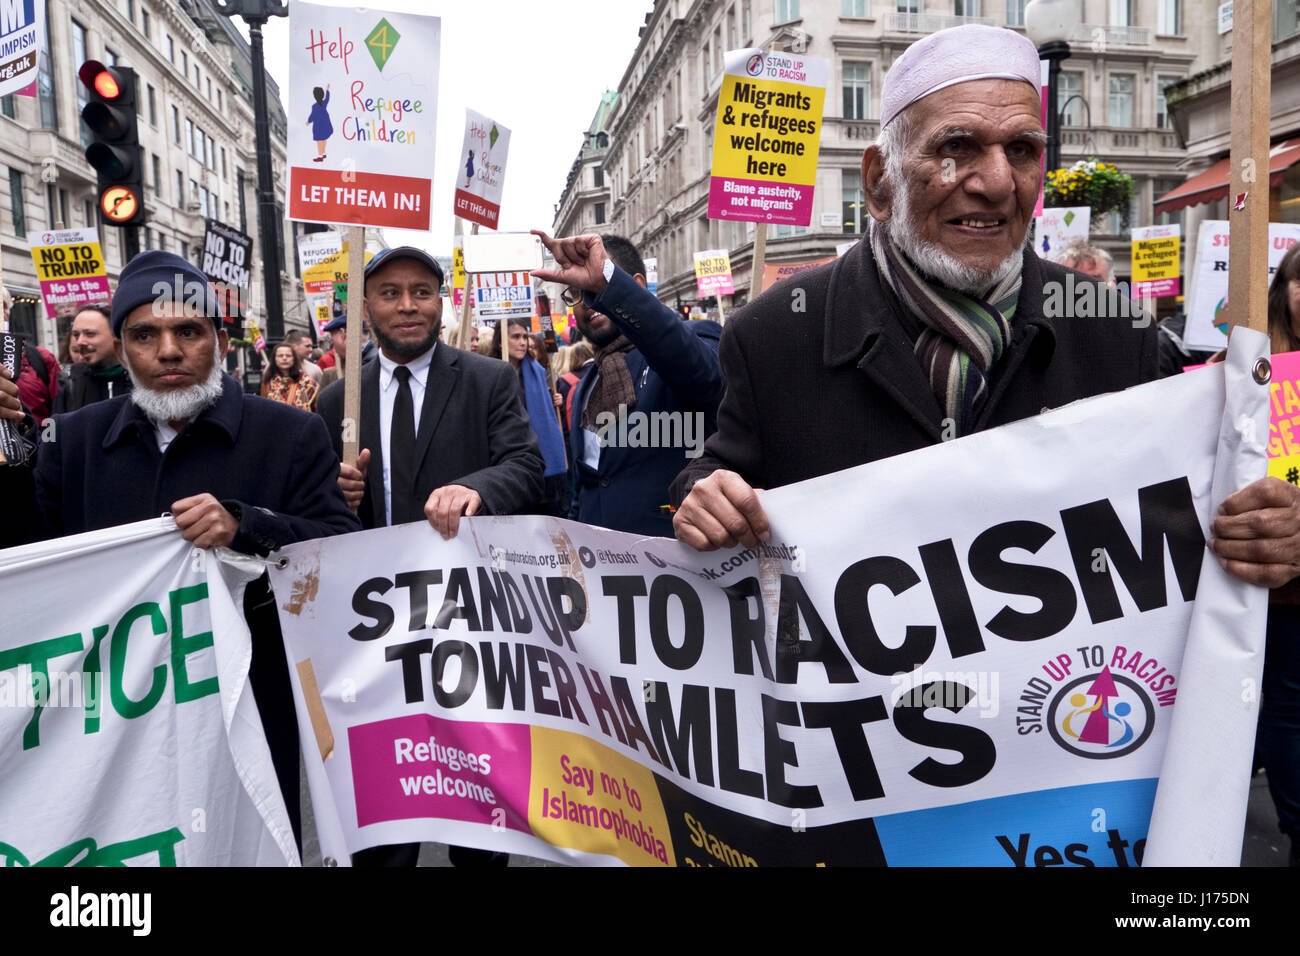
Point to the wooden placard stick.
(464, 338)
(1248, 186)
(760, 244)
(356, 321)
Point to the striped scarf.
(960, 337)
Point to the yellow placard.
(767, 130)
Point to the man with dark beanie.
(233, 470)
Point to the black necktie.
(401, 449)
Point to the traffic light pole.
(255, 13)
(131, 241)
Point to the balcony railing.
(1115, 140)
(929, 22)
(1090, 33)
(865, 130)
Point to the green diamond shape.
(381, 42)
(1068, 217)
(493, 135)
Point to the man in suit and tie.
(442, 433)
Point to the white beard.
(934, 261)
(177, 405)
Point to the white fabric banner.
(129, 731)
(966, 655)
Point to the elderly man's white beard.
(932, 260)
(177, 405)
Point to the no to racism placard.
(1155, 261)
(897, 676)
(766, 137)
(713, 273)
(363, 103)
(502, 295)
(22, 31)
(1207, 293)
(482, 172)
(128, 731)
(225, 263)
(70, 267)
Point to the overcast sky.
(536, 68)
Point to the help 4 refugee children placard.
(363, 104)
(482, 174)
(766, 137)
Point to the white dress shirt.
(419, 367)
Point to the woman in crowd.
(285, 381)
(542, 405)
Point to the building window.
(185, 249)
(787, 10)
(152, 96)
(857, 90)
(148, 237)
(210, 152)
(1160, 187)
(746, 22)
(83, 94)
(189, 136)
(600, 213)
(732, 42)
(966, 8)
(171, 48)
(783, 230)
(908, 6)
(56, 201)
(1015, 13)
(88, 210)
(16, 203)
(207, 84)
(185, 63)
(196, 76)
(1121, 13)
(224, 173)
(176, 125)
(598, 177)
(7, 106)
(220, 105)
(1169, 20)
(853, 8)
(1121, 99)
(1069, 83)
(853, 202)
(145, 25)
(162, 242)
(1286, 19)
(157, 176)
(180, 189)
(130, 10)
(110, 58)
(1163, 119)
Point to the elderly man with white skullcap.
(933, 326)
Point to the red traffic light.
(101, 79)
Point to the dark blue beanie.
(156, 276)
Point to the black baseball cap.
(404, 252)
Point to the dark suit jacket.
(835, 384)
(473, 431)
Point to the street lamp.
(255, 14)
(1050, 24)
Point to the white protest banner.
(482, 173)
(225, 263)
(1207, 288)
(502, 295)
(22, 31)
(128, 731)
(1057, 226)
(363, 107)
(906, 673)
(313, 249)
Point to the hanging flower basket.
(1090, 182)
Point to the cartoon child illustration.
(319, 121)
(469, 169)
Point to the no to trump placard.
(482, 172)
(363, 103)
(713, 273)
(766, 137)
(898, 676)
(1155, 261)
(70, 267)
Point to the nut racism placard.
(766, 137)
